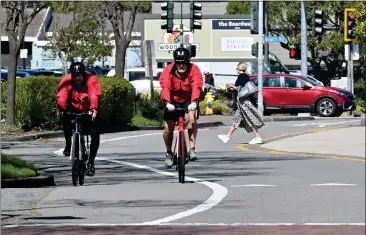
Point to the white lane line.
(219, 192)
(333, 184)
(59, 152)
(184, 224)
(253, 185)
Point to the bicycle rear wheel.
(182, 157)
(75, 158)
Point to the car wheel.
(326, 107)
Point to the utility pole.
(304, 40)
(266, 33)
(260, 58)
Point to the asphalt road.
(258, 192)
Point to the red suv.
(287, 93)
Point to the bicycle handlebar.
(177, 108)
(77, 114)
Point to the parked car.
(288, 93)
(19, 74)
(41, 72)
(136, 76)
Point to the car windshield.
(312, 81)
(140, 75)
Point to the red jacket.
(83, 100)
(175, 89)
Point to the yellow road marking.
(245, 147)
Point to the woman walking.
(247, 115)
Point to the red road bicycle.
(181, 156)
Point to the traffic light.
(168, 16)
(349, 24)
(318, 22)
(255, 49)
(295, 53)
(192, 51)
(254, 15)
(195, 7)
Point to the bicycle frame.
(84, 147)
(181, 128)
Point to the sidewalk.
(344, 141)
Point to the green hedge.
(36, 105)
(360, 94)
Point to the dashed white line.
(333, 184)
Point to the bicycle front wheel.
(75, 158)
(182, 157)
(81, 165)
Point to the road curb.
(287, 118)
(44, 135)
(55, 134)
(363, 122)
(29, 182)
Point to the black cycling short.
(174, 115)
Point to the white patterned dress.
(247, 116)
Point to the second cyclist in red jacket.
(181, 84)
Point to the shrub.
(150, 108)
(217, 107)
(35, 102)
(117, 101)
(36, 105)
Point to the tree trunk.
(120, 58)
(10, 101)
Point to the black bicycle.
(79, 148)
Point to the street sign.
(274, 39)
(355, 51)
(23, 53)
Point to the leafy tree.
(285, 19)
(114, 12)
(238, 7)
(83, 37)
(19, 14)
(361, 29)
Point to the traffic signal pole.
(304, 40)
(260, 58)
(181, 24)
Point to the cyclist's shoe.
(169, 159)
(193, 155)
(91, 170)
(67, 150)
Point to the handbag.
(249, 89)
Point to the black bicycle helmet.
(181, 54)
(77, 68)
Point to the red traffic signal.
(350, 22)
(295, 53)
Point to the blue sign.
(274, 38)
(231, 24)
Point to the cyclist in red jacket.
(79, 91)
(181, 84)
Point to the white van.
(136, 76)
